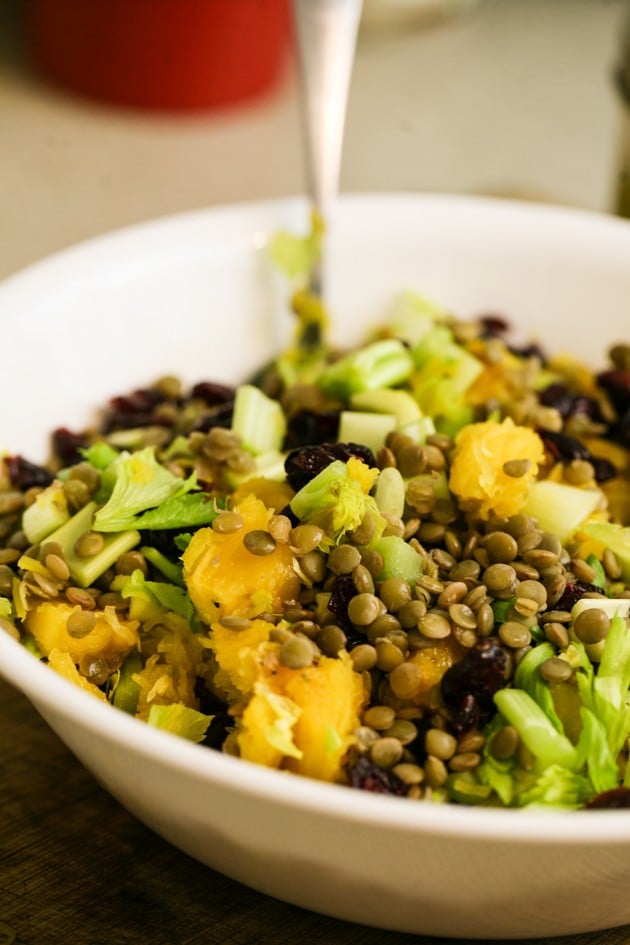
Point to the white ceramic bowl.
(192, 295)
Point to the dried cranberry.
(575, 591)
(213, 394)
(616, 383)
(367, 776)
(493, 326)
(603, 468)
(610, 800)
(563, 447)
(559, 397)
(219, 416)
(66, 446)
(24, 474)
(529, 351)
(468, 687)
(312, 427)
(306, 462)
(343, 590)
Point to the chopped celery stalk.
(400, 403)
(413, 317)
(267, 466)
(546, 743)
(385, 363)
(100, 455)
(179, 511)
(559, 508)
(615, 537)
(595, 753)
(337, 498)
(389, 492)
(84, 571)
(444, 372)
(171, 570)
(48, 512)
(126, 690)
(400, 560)
(370, 429)
(258, 420)
(599, 578)
(180, 720)
(141, 483)
(466, 789)
(528, 678)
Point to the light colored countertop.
(514, 98)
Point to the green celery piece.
(180, 720)
(528, 678)
(413, 317)
(465, 788)
(296, 255)
(85, 571)
(385, 363)
(600, 575)
(610, 685)
(444, 372)
(369, 429)
(258, 420)
(400, 403)
(169, 596)
(334, 501)
(595, 753)
(559, 508)
(400, 560)
(546, 743)
(502, 608)
(48, 512)
(126, 690)
(142, 483)
(617, 538)
(268, 465)
(100, 455)
(557, 786)
(180, 511)
(171, 570)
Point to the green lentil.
(80, 624)
(405, 680)
(386, 752)
(440, 744)
(363, 609)
(505, 743)
(591, 625)
(379, 717)
(363, 657)
(296, 653)
(89, 544)
(394, 592)
(331, 640)
(515, 635)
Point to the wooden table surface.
(77, 869)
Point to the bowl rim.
(49, 691)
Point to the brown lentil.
(411, 612)
(77, 595)
(591, 625)
(57, 567)
(465, 761)
(259, 542)
(388, 656)
(363, 657)
(131, 561)
(515, 468)
(439, 743)
(505, 743)
(331, 640)
(515, 635)
(386, 752)
(463, 616)
(500, 579)
(411, 774)
(582, 570)
(405, 680)
(434, 626)
(556, 669)
(363, 609)
(80, 623)
(226, 523)
(501, 547)
(362, 580)
(305, 538)
(379, 717)
(394, 592)
(89, 544)
(297, 653)
(234, 622)
(403, 729)
(435, 772)
(611, 564)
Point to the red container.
(160, 54)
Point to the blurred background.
(115, 111)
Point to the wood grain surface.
(77, 869)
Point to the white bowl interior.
(193, 295)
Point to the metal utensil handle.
(327, 35)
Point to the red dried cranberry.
(616, 383)
(312, 427)
(575, 591)
(66, 446)
(367, 776)
(218, 416)
(468, 687)
(24, 474)
(213, 394)
(563, 448)
(610, 800)
(493, 326)
(604, 469)
(306, 462)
